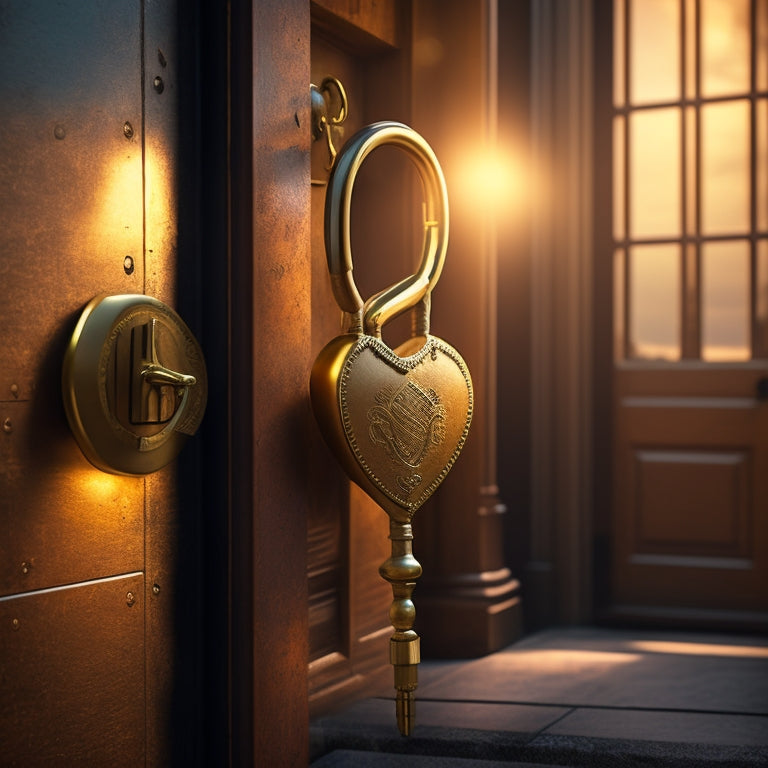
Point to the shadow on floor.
(572, 697)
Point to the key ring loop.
(406, 293)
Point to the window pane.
(690, 49)
(654, 49)
(725, 47)
(761, 305)
(691, 222)
(725, 167)
(655, 173)
(619, 75)
(619, 231)
(761, 76)
(654, 302)
(725, 301)
(691, 335)
(618, 305)
(761, 164)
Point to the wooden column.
(558, 574)
(467, 601)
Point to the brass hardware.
(323, 122)
(395, 419)
(129, 412)
(338, 203)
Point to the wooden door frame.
(270, 311)
(254, 197)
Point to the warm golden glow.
(654, 49)
(725, 167)
(699, 649)
(125, 192)
(655, 171)
(158, 175)
(119, 209)
(488, 182)
(100, 487)
(761, 164)
(619, 180)
(557, 662)
(112, 499)
(654, 301)
(725, 301)
(725, 44)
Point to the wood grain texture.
(269, 313)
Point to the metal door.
(90, 638)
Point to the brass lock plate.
(134, 384)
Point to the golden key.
(395, 419)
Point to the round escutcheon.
(134, 383)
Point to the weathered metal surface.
(62, 520)
(71, 171)
(88, 205)
(71, 209)
(72, 675)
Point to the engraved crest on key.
(407, 422)
(396, 419)
(405, 434)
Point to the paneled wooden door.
(690, 266)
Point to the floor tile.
(582, 697)
(345, 758)
(487, 717)
(600, 668)
(680, 727)
(478, 716)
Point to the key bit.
(404, 656)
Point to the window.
(690, 179)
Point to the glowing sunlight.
(490, 182)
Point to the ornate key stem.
(401, 570)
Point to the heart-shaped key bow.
(395, 419)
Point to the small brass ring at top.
(406, 293)
(325, 87)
